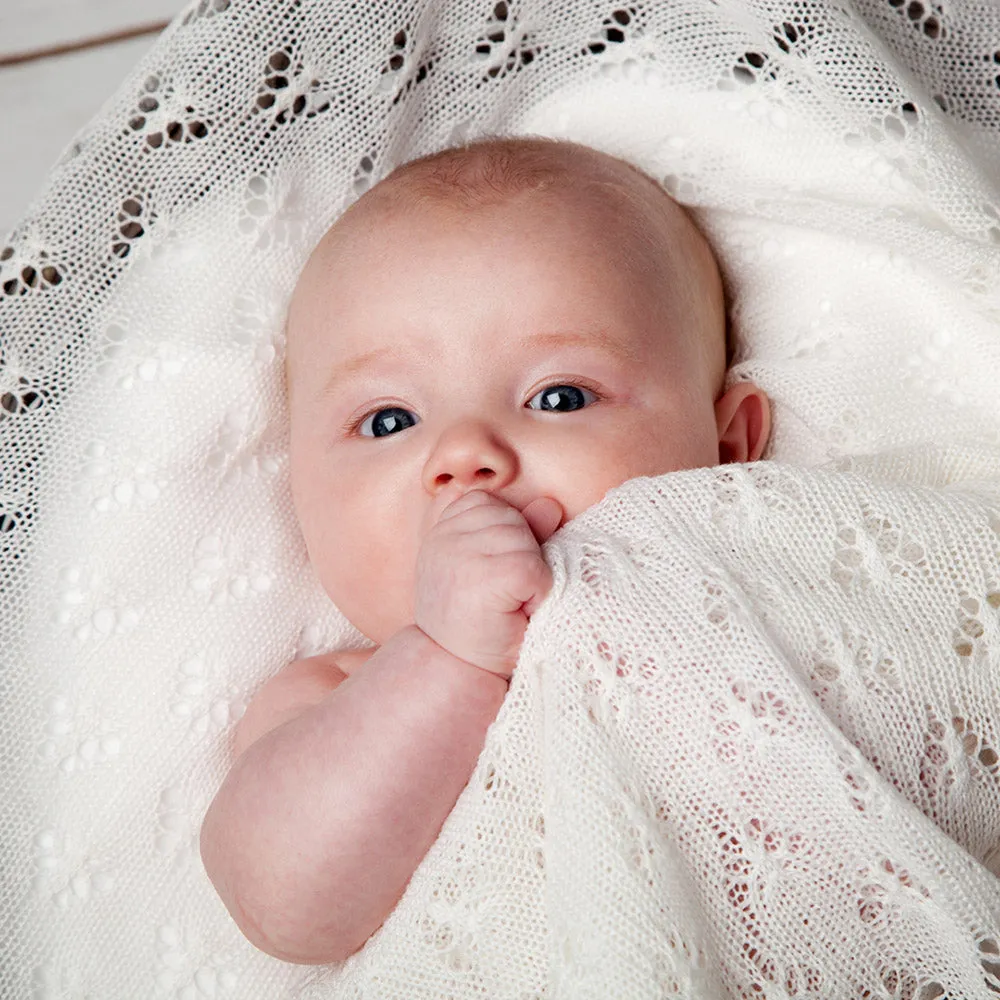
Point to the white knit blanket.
(752, 746)
(751, 749)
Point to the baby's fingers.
(522, 583)
(543, 514)
(470, 501)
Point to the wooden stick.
(85, 43)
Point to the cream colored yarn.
(751, 749)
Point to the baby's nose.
(470, 457)
(480, 479)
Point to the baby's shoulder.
(348, 660)
(297, 687)
(341, 661)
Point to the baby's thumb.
(543, 515)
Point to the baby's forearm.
(319, 825)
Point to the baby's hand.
(480, 576)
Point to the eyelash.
(353, 425)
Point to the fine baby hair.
(750, 744)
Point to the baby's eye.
(562, 397)
(386, 421)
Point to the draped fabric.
(751, 748)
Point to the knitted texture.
(751, 748)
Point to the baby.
(531, 323)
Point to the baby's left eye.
(561, 398)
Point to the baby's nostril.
(484, 473)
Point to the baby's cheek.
(667, 445)
(595, 471)
(371, 581)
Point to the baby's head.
(527, 317)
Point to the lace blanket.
(751, 749)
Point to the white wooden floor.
(46, 99)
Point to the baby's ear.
(743, 418)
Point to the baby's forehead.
(621, 213)
(375, 236)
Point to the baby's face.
(506, 348)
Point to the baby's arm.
(322, 821)
(299, 686)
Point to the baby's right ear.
(743, 419)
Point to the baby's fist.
(480, 575)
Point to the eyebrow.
(348, 370)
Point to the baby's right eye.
(386, 421)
